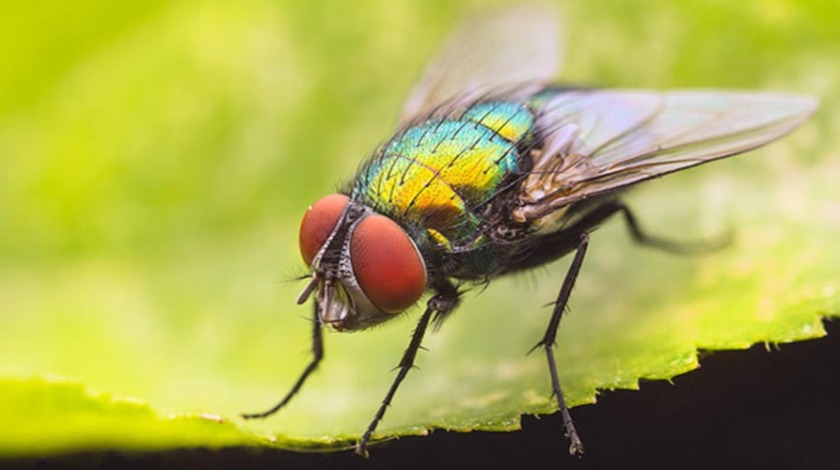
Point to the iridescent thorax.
(434, 174)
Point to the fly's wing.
(603, 140)
(489, 52)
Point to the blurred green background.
(156, 157)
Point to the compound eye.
(386, 263)
(318, 223)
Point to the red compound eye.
(387, 265)
(318, 223)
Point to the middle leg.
(549, 341)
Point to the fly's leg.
(549, 341)
(442, 303)
(406, 363)
(317, 355)
(679, 247)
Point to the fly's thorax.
(365, 267)
(437, 173)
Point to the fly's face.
(365, 268)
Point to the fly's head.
(365, 268)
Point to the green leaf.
(50, 415)
(155, 165)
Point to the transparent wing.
(489, 52)
(599, 141)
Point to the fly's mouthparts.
(310, 287)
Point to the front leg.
(317, 356)
(439, 306)
(549, 341)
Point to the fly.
(494, 171)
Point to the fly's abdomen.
(433, 174)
